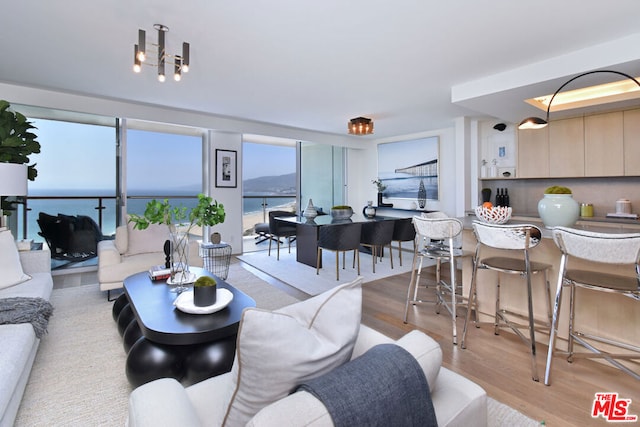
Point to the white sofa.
(133, 251)
(457, 401)
(18, 341)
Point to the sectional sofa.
(19, 343)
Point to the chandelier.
(141, 54)
(360, 126)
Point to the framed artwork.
(409, 169)
(226, 168)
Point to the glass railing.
(102, 209)
(256, 209)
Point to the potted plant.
(204, 291)
(557, 207)
(17, 142)
(180, 222)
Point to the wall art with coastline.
(409, 169)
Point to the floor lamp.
(13, 182)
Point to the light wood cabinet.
(600, 145)
(631, 142)
(566, 148)
(533, 153)
(603, 145)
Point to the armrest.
(367, 338)
(108, 254)
(36, 261)
(162, 402)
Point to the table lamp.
(13, 182)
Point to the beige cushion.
(276, 351)
(148, 240)
(122, 239)
(10, 266)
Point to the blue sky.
(77, 156)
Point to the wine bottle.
(505, 200)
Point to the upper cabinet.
(533, 153)
(603, 145)
(631, 142)
(599, 145)
(566, 147)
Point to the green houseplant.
(180, 221)
(17, 143)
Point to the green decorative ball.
(205, 281)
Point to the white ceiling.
(314, 65)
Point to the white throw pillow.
(151, 239)
(276, 351)
(10, 266)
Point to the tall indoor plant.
(17, 143)
(180, 221)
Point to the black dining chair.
(403, 231)
(339, 238)
(281, 229)
(377, 235)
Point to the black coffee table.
(162, 341)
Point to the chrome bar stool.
(444, 231)
(621, 250)
(519, 238)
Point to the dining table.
(307, 230)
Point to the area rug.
(78, 378)
(304, 278)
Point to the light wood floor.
(501, 364)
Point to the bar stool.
(377, 235)
(439, 229)
(339, 238)
(515, 238)
(598, 249)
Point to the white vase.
(310, 212)
(558, 210)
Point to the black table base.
(148, 361)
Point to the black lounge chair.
(70, 238)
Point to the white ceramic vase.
(558, 210)
(310, 212)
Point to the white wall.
(231, 198)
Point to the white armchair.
(133, 251)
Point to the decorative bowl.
(494, 215)
(341, 213)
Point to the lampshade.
(13, 179)
(360, 126)
(538, 123)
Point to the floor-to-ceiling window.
(322, 175)
(162, 165)
(269, 181)
(76, 174)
